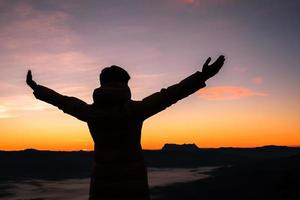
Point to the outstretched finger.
(220, 62)
(207, 61)
(221, 58)
(29, 75)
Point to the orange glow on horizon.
(181, 125)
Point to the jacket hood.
(112, 94)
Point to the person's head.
(114, 88)
(114, 74)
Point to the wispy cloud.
(240, 69)
(14, 106)
(40, 39)
(32, 28)
(4, 112)
(257, 80)
(228, 93)
(203, 2)
(64, 61)
(142, 83)
(189, 2)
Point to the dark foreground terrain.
(269, 172)
(267, 179)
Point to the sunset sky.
(253, 101)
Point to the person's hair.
(114, 74)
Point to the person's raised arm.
(69, 105)
(166, 97)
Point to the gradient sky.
(253, 101)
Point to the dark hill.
(270, 179)
(180, 147)
(32, 163)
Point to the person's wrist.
(205, 76)
(33, 85)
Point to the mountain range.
(31, 163)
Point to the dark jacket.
(115, 123)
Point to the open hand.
(209, 71)
(29, 80)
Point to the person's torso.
(116, 132)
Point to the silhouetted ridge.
(31, 163)
(180, 147)
(273, 147)
(31, 150)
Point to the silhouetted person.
(115, 123)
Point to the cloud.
(228, 93)
(4, 112)
(14, 106)
(142, 83)
(188, 2)
(44, 40)
(203, 3)
(64, 61)
(31, 28)
(257, 80)
(240, 69)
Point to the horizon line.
(86, 150)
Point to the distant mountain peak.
(30, 150)
(180, 147)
